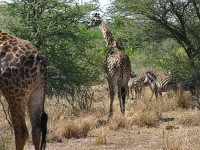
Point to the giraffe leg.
(35, 107)
(120, 97)
(111, 94)
(123, 99)
(17, 112)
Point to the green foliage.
(153, 34)
(57, 29)
(149, 23)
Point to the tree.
(177, 19)
(57, 30)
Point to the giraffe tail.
(44, 119)
(123, 91)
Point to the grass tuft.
(118, 122)
(146, 118)
(191, 118)
(76, 129)
(101, 139)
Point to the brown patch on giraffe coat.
(5, 48)
(33, 70)
(27, 53)
(9, 57)
(15, 49)
(22, 59)
(7, 73)
(3, 38)
(15, 72)
(27, 73)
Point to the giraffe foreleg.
(111, 95)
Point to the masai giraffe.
(23, 82)
(117, 65)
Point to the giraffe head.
(95, 21)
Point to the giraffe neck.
(110, 40)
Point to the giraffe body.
(23, 83)
(117, 65)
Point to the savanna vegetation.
(158, 35)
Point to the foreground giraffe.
(117, 65)
(23, 82)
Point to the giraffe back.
(118, 65)
(22, 66)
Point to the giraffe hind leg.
(38, 118)
(36, 131)
(18, 120)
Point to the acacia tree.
(177, 19)
(57, 30)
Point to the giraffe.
(117, 65)
(23, 82)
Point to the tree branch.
(196, 8)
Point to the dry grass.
(118, 122)
(189, 118)
(76, 129)
(185, 100)
(101, 138)
(148, 102)
(64, 123)
(145, 118)
(141, 127)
